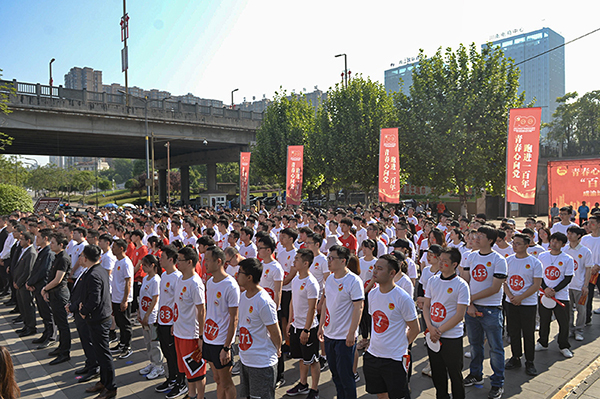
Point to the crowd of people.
(240, 291)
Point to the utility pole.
(124, 55)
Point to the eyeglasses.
(181, 260)
(241, 272)
(330, 258)
(262, 248)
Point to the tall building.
(400, 75)
(314, 98)
(84, 78)
(154, 94)
(543, 77)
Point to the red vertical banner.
(295, 168)
(389, 166)
(522, 154)
(244, 178)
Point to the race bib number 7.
(245, 339)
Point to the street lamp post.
(233, 91)
(345, 68)
(168, 145)
(51, 81)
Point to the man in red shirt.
(348, 239)
(139, 251)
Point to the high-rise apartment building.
(84, 78)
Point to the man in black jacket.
(37, 281)
(95, 308)
(21, 274)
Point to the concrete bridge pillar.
(211, 176)
(162, 186)
(185, 184)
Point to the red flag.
(295, 169)
(244, 178)
(573, 181)
(522, 154)
(389, 166)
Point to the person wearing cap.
(404, 246)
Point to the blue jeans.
(490, 326)
(341, 358)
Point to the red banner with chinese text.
(523, 151)
(244, 178)
(389, 166)
(573, 181)
(295, 160)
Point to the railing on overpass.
(49, 92)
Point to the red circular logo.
(326, 317)
(367, 283)
(270, 292)
(211, 330)
(552, 273)
(576, 264)
(175, 312)
(245, 339)
(438, 312)
(165, 315)
(480, 273)
(380, 322)
(516, 283)
(145, 303)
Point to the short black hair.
(121, 243)
(393, 263)
(268, 241)
(252, 267)
(524, 237)
(61, 239)
(490, 233)
(292, 233)
(248, 231)
(216, 253)
(341, 251)
(559, 236)
(106, 237)
(189, 253)
(306, 255)
(81, 230)
(171, 252)
(138, 233)
(206, 241)
(92, 253)
(455, 255)
(316, 238)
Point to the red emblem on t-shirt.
(327, 317)
(145, 303)
(340, 287)
(175, 312)
(211, 330)
(245, 339)
(165, 315)
(438, 312)
(516, 283)
(552, 273)
(480, 273)
(575, 264)
(391, 306)
(450, 290)
(270, 292)
(218, 294)
(380, 322)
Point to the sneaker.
(513, 363)
(312, 394)
(237, 368)
(156, 372)
(147, 369)
(178, 390)
(165, 386)
(597, 311)
(566, 353)
(323, 363)
(356, 377)
(537, 326)
(125, 353)
(112, 337)
(588, 323)
(468, 354)
(539, 347)
(136, 322)
(426, 371)
(279, 383)
(471, 380)
(117, 349)
(578, 337)
(530, 369)
(299, 389)
(496, 393)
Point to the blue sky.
(210, 47)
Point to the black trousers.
(590, 299)
(448, 362)
(45, 312)
(364, 325)
(85, 336)
(167, 345)
(520, 321)
(123, 321)
(562, 317)
(137, 286)
(26, 307)
(58, 300)
(4, 281)
(99, 339)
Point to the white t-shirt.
(556, 267)
(256, 313)
(223, 241)
(521, 272)
(123, 269)
(561, 228)
(506, 252)
(361, 235)
(535, 250)
(582, 259)
(150, 287)
(426, 275)
(390, 312)
(248, 251)
(304, 289)
(483, 269)
(220, 297)
(340, 295)
(445, 297)
(166, 299)
(593, 244)
(412, 268)
(190, 240)
(188, 294)
(286, 260)
(107, 261)
(366, 270)
(320, 269)
(232, 270)
(406, 284)
(76, 251)
(271, 273)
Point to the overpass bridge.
(56, 121)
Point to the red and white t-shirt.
(521, 272)
(286, 260)
(256, 313)
(188, 294)
(166, 299)
(248, 251)
(220, 297)
(445, 296)
(426, 275)
(150, 287)
(340, 295)
(556, 267)
(582, 259)
(320, 270)
(123, 269)
(389, 314)
(406, 284)
(271, 273)
(366, 270)
(483, 268)
(304, 289)
(351, 242)
(506, 252)
(535, 250)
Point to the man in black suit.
(95, 308)
(21, 273)
(37, 281)
(3, 237)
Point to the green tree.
(132, 185)
(14, 198)
(347, 135)
(123, 170)
(104, 184)
(46, 178)
(5, 92)
(82, 181)
(458, 113)
(12, 170)
(139, 167)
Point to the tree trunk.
(463, 204)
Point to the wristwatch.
(306, 330)
(226, 348)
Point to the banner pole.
(506, 169)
